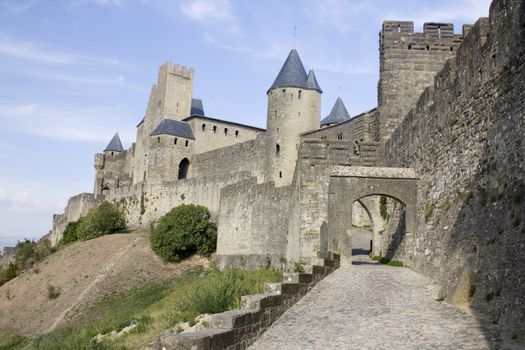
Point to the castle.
(437, 168)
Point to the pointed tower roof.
(114, 145)
(337, 115)
(292, 73)
(311, 82)
(196, 107)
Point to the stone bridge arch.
(353, 183)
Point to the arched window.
(236, 133)
(214, 129)
(299, 94)
(184, 167)
(111, 153)
(175, 141)
(280, 174)
(277, 149)
(203, 127)
(158, 139)
(225, 131)
(186, 143)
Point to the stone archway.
(352, 183)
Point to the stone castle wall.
(466, 139)
(356, 129)
(252, 225)
(211, 134)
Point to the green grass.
(386, 261)
(153, 308)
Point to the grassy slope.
(154, 308)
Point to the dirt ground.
(79, 276)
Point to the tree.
(184, 231)
(105, 219)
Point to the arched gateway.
(352, 183)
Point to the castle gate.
(353, 183)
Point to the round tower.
(294, 107)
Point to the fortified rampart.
(466, 138)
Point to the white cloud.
(65, 122)
(46, 54)
(210, 11)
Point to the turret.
(338, 114)
(109, 166)
(294, 107)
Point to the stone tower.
(294, 107)
(108, 166)
(408, 64)
(170, 98)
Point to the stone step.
(297, 277)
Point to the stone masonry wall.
(466, 139)
(246, 156)
(408, 63)
(252, 225)
(355, 129)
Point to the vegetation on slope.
(184, 231)
(105, 219)
(152, 309)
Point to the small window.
(428, 47)
(203, 127)
(214, 129)
(451, 48)
(299, 94)
(277, 149)
(187, 143)
(226, 131)
(236, 133)
(410, 47)
(399, 28)
(291, 97)
(175, 141)
(275, 113)
(284, 90)
(298, 114)
(158, 139)
(111, 153)
(280, 174)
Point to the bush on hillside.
(184, 231)
(105, 219)
(70, 233)
(7, 274)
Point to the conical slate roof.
(175, 128)
(338, 114)
(114, 145)
(292, 73)
(196, 107)
(311, 82)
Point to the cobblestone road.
(371, 306)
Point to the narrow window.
(111, 153)
(177, 104)
(451, 49)
(277, 149)
(299, 94)
(158, 139)
(280, 174)
(399, 28)
(428, 47)
(236, 133)
(439, 32)
(187, 143)
(214, 129)
(284, 90)
(225, 131)
(410, 47)
(203, 127)
(175, 141)
(298, 114)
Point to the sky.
(74, 72)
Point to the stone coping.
(373, 172)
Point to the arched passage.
(350, 184)
(184, 167)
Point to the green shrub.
(299, 267)
(395, 263)
(105, 219)
(70, 233)
(184, 231)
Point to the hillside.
(59, 288)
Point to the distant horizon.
(74, 72)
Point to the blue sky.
(72, 72)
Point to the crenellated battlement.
(175, 69)
(435, 36)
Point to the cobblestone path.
(372, 306)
